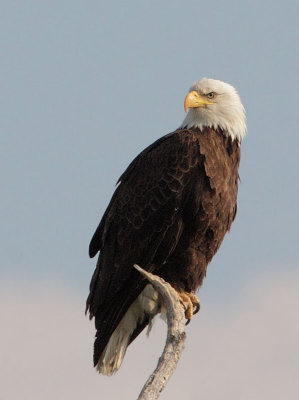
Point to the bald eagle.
(169, 214)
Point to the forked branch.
(175, 338)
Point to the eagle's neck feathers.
(232, 125)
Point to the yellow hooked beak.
(194, 100)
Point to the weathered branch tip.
(175, 337)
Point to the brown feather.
(169, 214)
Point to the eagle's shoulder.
(155, 176)
(164, 150)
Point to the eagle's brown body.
(169, 214)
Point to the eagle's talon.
(196, 309)
(190, 303)
(195, 303)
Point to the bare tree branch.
(175, 338)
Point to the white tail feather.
(147, 303)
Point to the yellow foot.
(190, 303)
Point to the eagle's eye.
(211, 95)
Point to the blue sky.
(85, 87)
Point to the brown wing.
(142, 225)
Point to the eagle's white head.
(215, 104)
